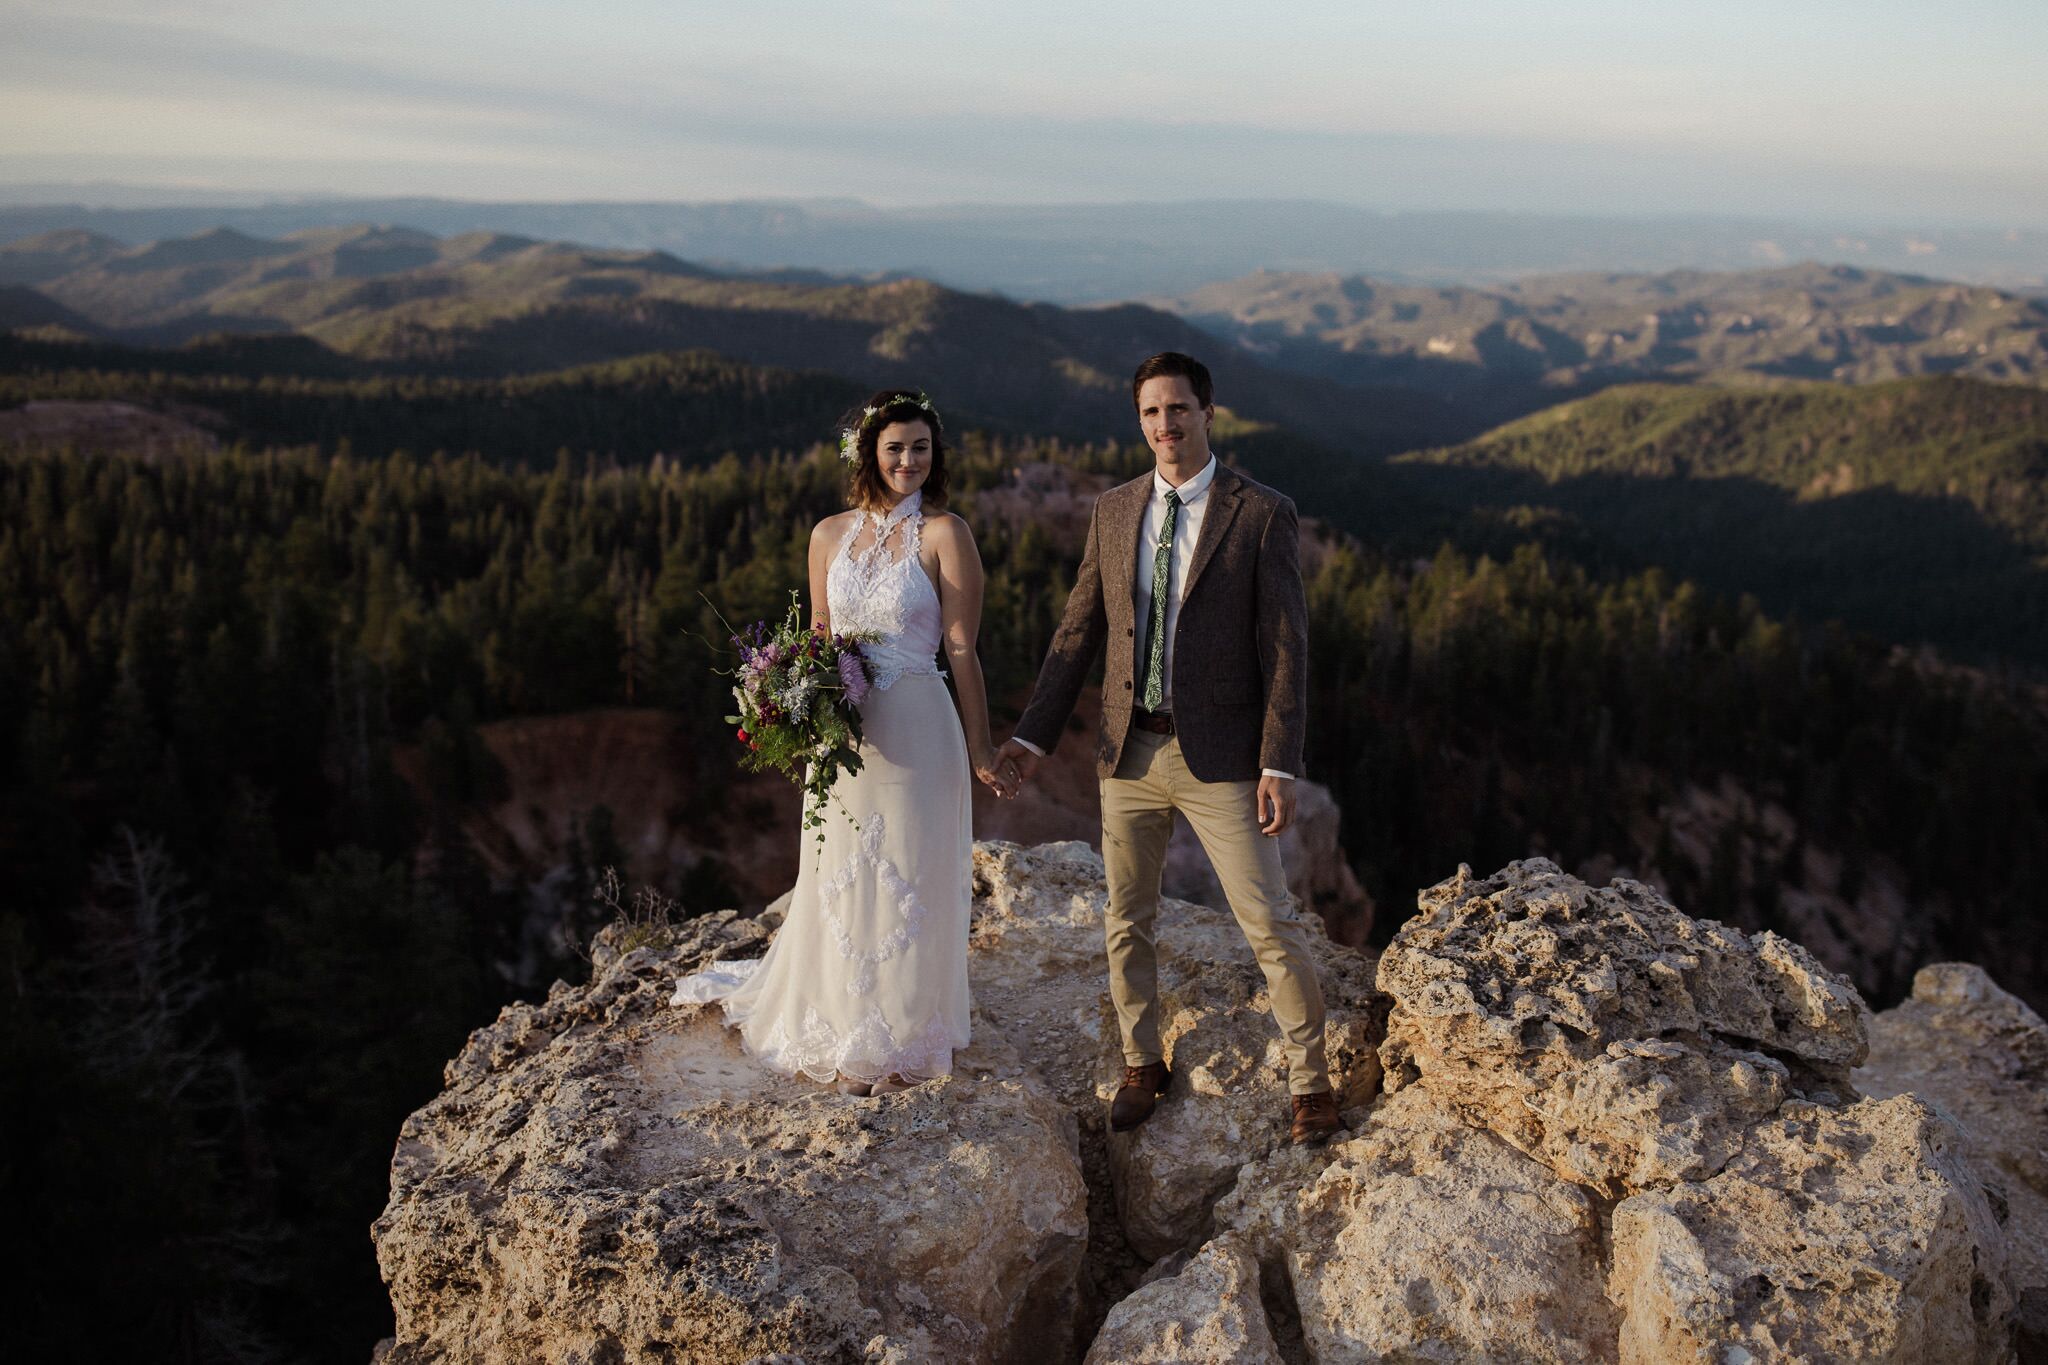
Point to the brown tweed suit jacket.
(1240, 652)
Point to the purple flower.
(853, 676)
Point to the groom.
(1192, 578)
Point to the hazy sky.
(1875, 109)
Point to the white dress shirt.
(1194, 502)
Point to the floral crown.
(849, 437)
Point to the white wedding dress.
(868, 974)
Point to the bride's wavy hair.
(866, 487)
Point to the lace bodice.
(883, 590)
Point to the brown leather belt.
(1158, 722)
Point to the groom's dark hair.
(1174, 363)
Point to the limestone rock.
(1208, 1312)
(1602, 1031)
(1837, 1234)
(1981, 1056)
(716, 937)
(1036, 958)
(1228, 1104)
(1035, 962)
(608, 1178)
(1040, 979)
(1422, 1239)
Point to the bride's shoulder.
(838, 522)
(950, 527)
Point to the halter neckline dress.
(868, 974)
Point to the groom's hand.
(1276, 804)
(1026, 762)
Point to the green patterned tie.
(1162, 577)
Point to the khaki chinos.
(1151, 782)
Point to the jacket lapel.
(1123, 516)
(1224, 494)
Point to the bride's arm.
(821, 560)
(960, 587)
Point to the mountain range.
(1089, 253)
(1376, 366)
(486, 304)
(1523, 345)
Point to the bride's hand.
(1001, 776)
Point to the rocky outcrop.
(1855, 1233)
(1612, 1132)
(1583, 1127)
(1228, 1104)
(1422, 1239)
(606, 1178)
(1602, 1031)
(1207, 1311)
(1980, 1055)
(1039, 978)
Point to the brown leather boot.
(1315, 1118)
(1142, 1087)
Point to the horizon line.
(227, 198)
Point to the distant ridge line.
(1079, 253)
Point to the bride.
(865, 986)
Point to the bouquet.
(799, 691)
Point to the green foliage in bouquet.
(799, 691)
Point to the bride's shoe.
(892, 1083)
(846, 1085)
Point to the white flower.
(796, 698)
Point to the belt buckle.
(1157, 722)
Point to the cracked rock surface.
(1602, 1031)
(607, 1178)
(1837, 1234)
(1980, 1055)
(1583, 1126)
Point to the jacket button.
(1127, 687)
(1131, 631)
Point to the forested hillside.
(280, 390)
(1916, 509)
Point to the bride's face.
(903, 454)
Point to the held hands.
(998, 772)
(1017, 765)
(1275, 804)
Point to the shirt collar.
(1191, 490)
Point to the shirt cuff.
(1275, 772)
(1029, 745)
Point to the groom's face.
(1175, 422)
